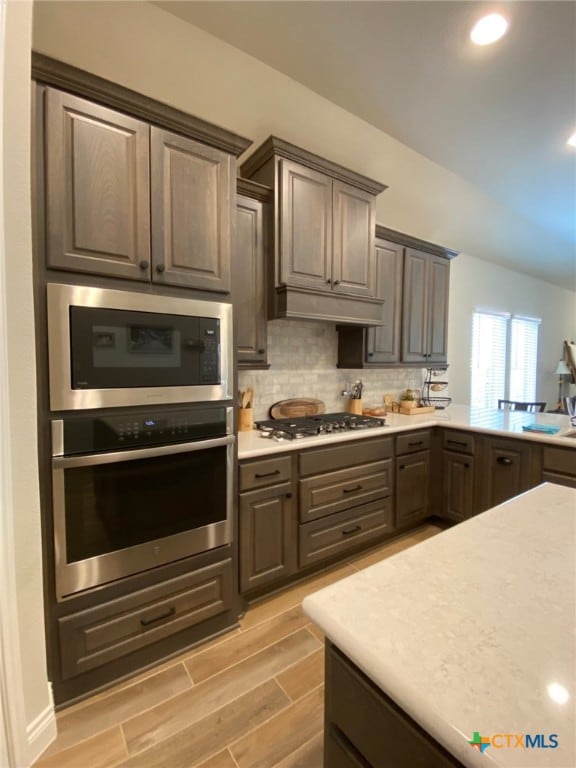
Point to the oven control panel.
(129, 429)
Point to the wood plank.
(213, 660)
(282, 735)
(303, 676)
(160, 722)
(81, 723)
(390, 548)
(310, 755)
(222, 760)
(101, 751)
(223, 726)
(272, 606)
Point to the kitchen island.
(466, 641)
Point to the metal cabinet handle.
(402, 466)
(328, 280)
(165, 615)
(336, 282)
(456, 442)
(144, 265)
(260, 475)
(414, 445)
(504, 460)
(160, 267)
(352, 530)
(261, 351)
(352, 490)
(288, 495)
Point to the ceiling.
(498, 116)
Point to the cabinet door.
(97, 189)
(458, 486)
(383, 343)
(437, 320)
(415, 307)
(248, 283)
(267, 536)
(354, 255)
(506, 471)
(305, 227)
(412, 488)
(192, 210)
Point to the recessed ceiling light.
(558, 693)
(572, 140)
(489, 29)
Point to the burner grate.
(309, 426)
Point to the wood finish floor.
(252, 698)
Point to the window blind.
(523, 358)
(489, 333)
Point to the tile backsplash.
(302, 357)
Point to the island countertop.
(489, 421)
(473, 630)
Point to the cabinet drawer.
(257, 474)
(336, 491)
(415, 441)
(560, 460)
(345, 455)
(354, 705)
(99, 635)
(463, 442)
(323, 538)
(558, 479)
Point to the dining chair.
(517, 405)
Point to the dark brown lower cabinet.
(457, 486)
(364, 728)
(97, 636)
(267, 536)
(559, 466)
(412, 488)
(506, 468)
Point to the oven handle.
(91, 459)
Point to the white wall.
(23, 497)
(147, 49)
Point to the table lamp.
(561, 371)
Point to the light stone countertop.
(466, 631)
(495, 422)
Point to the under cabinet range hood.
(322, 261)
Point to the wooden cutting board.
(301, 406)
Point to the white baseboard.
(41, 732)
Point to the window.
(504, 358)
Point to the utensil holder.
(245, 419)
(355, 406)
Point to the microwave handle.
(92, 459)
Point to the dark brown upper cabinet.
(425, 308)
(413, 280)
(252, 244)
(323, 265)
(133, 189)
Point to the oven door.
(124, 512)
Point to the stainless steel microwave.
(111, 348)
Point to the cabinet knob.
(289, 495)
(144, 265)
(160, 268)
(261, 351)
(328, 280)
(504, 460)
(370, 354)
(336, 282)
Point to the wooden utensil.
(295, 407)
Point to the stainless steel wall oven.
(109, 348)
(135, 490)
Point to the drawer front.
(337, 491)
(354, 704)
(321, 539)
(560, 460)
(346, 455)
(99, 635)
(414, 441)
(257, 474)
(462, 442)
(555, 477)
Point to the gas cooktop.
(310, 426)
